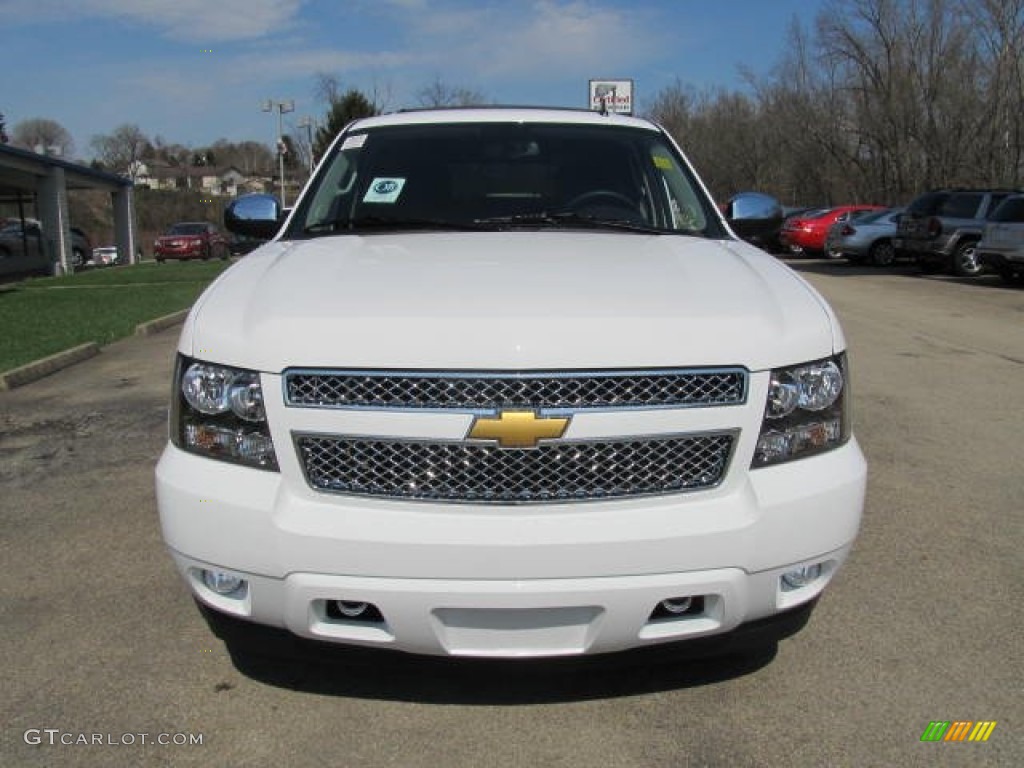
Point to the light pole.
(281, 107)
(308, 123)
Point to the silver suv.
(941, 229)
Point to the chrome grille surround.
(563, 471)
(490, 391)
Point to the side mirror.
(755, 216)
(255, 215)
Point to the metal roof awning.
(26, 175)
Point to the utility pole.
(281, 107)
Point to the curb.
(30, 372)
(40, 368)
(161, 323)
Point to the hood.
(509, 301)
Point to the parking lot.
(103, 645)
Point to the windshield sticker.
(384, 190)
(664, 163)
(354, 142)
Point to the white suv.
(505, 384)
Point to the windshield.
(504, 175)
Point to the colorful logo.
(958, 730)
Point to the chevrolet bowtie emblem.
(517, 429)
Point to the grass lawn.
(47, 315)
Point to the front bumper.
(547, 580)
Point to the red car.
(191, 240)
(806, 232)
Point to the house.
(211, 180)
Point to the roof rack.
(546, 107)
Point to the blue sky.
(194, 71)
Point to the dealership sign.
(612, 96)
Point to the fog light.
(351, 609)
(801, 577)
(222, 583)
(677, 605)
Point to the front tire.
(965, 260)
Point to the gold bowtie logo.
(517, 429)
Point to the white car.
(505, 384)
(105, 256)
(1002, 244)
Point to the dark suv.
(941, 229)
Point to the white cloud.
(552, 38)
(191, 20)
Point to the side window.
(334, 198)
(962, 206)
(994, 202)
(1011, 211)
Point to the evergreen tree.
(343, 110)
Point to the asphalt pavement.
(105, 655)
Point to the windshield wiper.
(568, 219)
(380, 223)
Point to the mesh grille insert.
(468, 472)
(394, 389)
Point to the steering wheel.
(616, 198)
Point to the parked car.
(806, 233)
(191, 240)
(1001, 247)
(865, 238)
(105, 256)
(506, 384)
(22, 249)
(941, 228)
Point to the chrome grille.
(467, 472)
(476, 390)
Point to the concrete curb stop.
(40, 368)
(161, 323)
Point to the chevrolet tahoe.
(505, 383)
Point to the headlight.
(805, 412)
(218, 412)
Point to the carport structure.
(30, 177)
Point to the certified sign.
(384, 190)
(612, 96)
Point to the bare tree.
(886, 99)
(998, 26)
(121, 151)
(43, 135)
(723, 133)
(440, 94)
